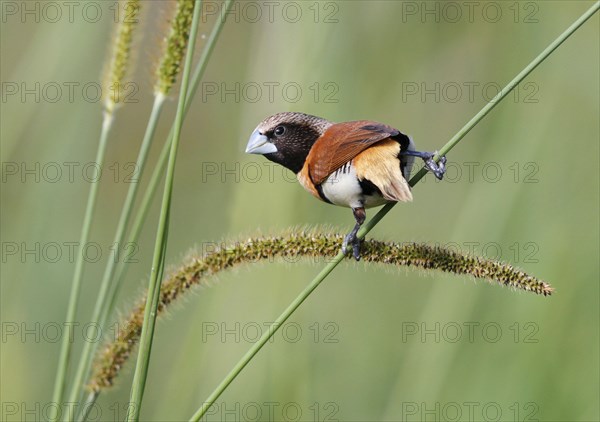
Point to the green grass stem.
(157, 174)
(235, 371)
(66, 344)
(99, 314)
(141, 369)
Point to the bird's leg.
(359, 215)
(438, 169)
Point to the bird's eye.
(279, 130)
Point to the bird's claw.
(438, 169)
(351, 239)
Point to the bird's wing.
(341, 143)
(381, 166)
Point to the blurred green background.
(371, 343)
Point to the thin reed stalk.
(100, 308)
(174, 49)
(142, 363)
(66, 345)
(157, 174)
(235, 371)
(144, 207)
(115, 73)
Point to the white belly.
(342, 188)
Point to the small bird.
(359, 164)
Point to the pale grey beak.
(259, 144)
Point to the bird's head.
(286, 138)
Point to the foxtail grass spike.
(174, 47)
(292, 247)
(120, 60)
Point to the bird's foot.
(352, 239)
(438, 169)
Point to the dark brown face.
(286, 138)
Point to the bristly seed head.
(120, 61)
(306, 244)
(175, 45)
